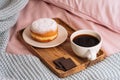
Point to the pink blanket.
(38, 9)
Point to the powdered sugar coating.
(43, 25)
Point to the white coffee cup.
(86, 52)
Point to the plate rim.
(46, 46)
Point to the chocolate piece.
(64, 64)
(68, 64)
(57, 63)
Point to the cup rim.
(71, 39)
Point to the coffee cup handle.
(91, 55)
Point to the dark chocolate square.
(68, 64)
(57, 63)
(64, 64)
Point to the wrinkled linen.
(103, 12)
(39, 9)
(18, 63)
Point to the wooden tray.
(48, 55)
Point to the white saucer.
(62, 36)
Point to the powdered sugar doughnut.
(44, 29)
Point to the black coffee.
(86, 40)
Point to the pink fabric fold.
(103, 12)
(38, 9)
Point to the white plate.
(62, 36)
